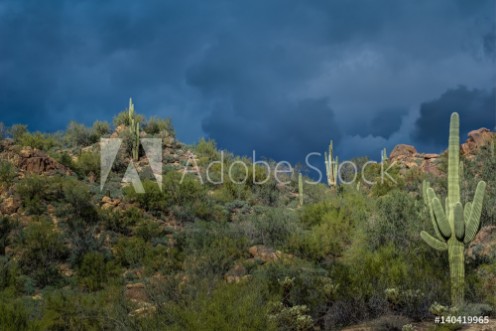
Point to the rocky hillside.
(221, 256)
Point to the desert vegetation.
(234, 256)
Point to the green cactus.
(134, 127)
(300, 189)
(384, 156)
(454, 225)
(332, 166)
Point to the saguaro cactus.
(300, 189)
(134, 127)
(332, 166)
(384, 156)
(454, 225)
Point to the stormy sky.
(278, 76)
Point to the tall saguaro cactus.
(332, 166)
(300, 189)
(134, 127)
(454, 225)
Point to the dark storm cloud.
(477, 108)
(279, 76)
(386, 122)
(281, 135)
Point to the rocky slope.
(407, 156)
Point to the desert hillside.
(79, 254)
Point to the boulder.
(267, 254)
(109, 203)
(235, 274)
(476, 140)
(402, 150)
(263, 253)
(137, 292)
(9, 206)
(118, 130)
(34, 161)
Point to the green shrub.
(100, 129)
(247, 309)
(79, 135)
(210, 249)
(129, 252)
(9, 273)
(269, 226)
(14, 316)
(291, 318)
(155, 126)
(295, 282)
(152, 200)
(7, 174)
(396, 221)
(121, 221)
(324, 240)
(148, 229)
(31, 190)
(38, 140)
(65, 159)
(486, 284)
(123, 118)
(17, 131)
(42, 247)
(65, 309)
(207, 149)
(93, 272)
(88, 163)
(79, 201)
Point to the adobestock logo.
(282, 171)
(109, 147)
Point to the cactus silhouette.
(134, 127)
(300, 189)
(454, 225)
(332, 166)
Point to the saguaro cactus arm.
(441, 220)
(467, 211)
(433, 242)
(472, 226)
(458, 220)
(427, 201)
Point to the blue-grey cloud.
(279, 76)
(477, 108)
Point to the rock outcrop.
(407, 157)
(10, 205)
(476, 140)
(266, 254)
(30, 160)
